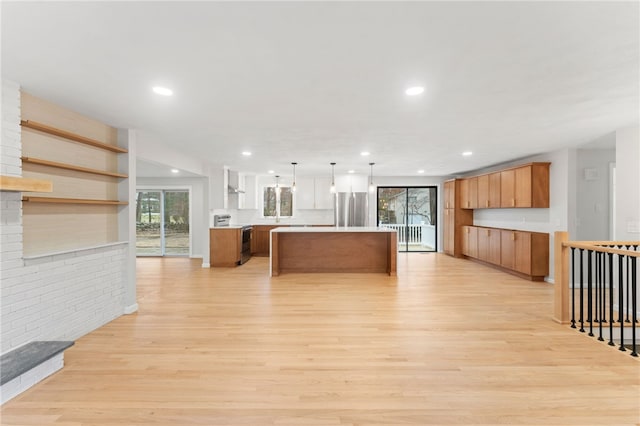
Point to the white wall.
(199, 207)
(628, 184)
(592, 195)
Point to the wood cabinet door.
(507, 249)
(522, 258)
(469, 193)
(483, 244)
(261, 239)
(224, 246)
(473, 193)
(470, 241)
(494, 240)
(494, 190)
(507, 188)
(483, 192)
(449, 231)
(523, 186)
(449, 194)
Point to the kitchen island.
(333, 249)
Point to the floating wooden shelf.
(73, 201)
(20, 184)
(71, 136)
(71, 167)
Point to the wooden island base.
(333, 250)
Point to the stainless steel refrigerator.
(352, 209)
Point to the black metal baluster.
(621, 299)
(627, 310)
(611, 300)
(633, 305)
(603, 296)
(589, 291)
(597, 284)
(581, 292)
(599, 301)
(573, 287)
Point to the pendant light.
(333, 180)
(277, 184)
(371, 186)
(293, 186)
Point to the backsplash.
(301, 217)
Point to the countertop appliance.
(221, 220)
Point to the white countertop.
(326, 229)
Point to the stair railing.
(596, 289)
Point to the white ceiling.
(316, 82)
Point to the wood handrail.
(561, 263)
(600, 249)
(72, 201)
(66, 166)
(71, 136)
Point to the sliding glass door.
(162, 223)
(412, 211)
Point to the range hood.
(234, 190)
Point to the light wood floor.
(446, 342)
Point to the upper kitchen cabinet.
(489, 191)
(247, 197)
(313, 193)
(449, 194)
(469, 193)
(525, 186)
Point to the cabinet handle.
(488, 231)
(513, 202)
(487, 203)
(513, 236)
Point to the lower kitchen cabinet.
(225, 246)
(262, 239)
(522, 252)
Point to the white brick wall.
(10, 144)
(56, 297)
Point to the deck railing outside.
(596, 289)
(418, 234)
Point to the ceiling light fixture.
(420, 171)
(333, 180)
(162, 91)
(371, 185)
(467, 153)
(293, 186)
(246, 153)
(414, 91)
(175, 171)
(351, 171)
(365, 153)
(271, 172)
(277, 184)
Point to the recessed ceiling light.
(420, 171)
(271, 172)
(246, 153)
(175, 171)
(351, 171)
(467, 153)
(163, 91)
(365, 153)
(413, 91)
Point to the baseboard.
(549, 280)
(206, 265)
(131, 309)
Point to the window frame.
(278, 201)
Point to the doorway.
(412, 211)
(162, 222)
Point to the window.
(277, 202)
